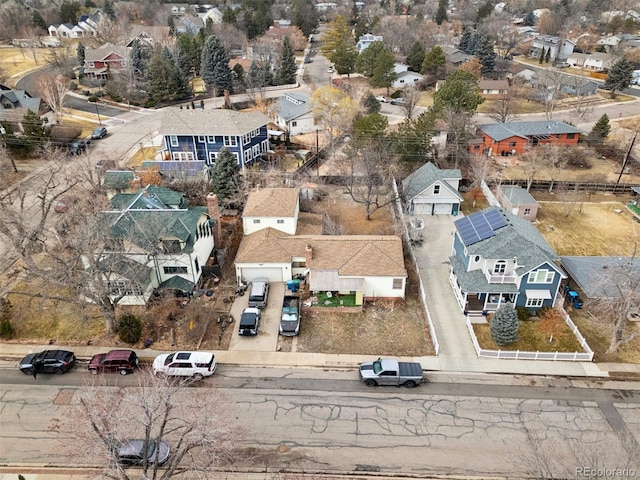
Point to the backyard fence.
(581, 187)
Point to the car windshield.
(377, 367)
(169, 359)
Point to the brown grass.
(16, 61)
(575, 229)
(467, 206)
(601, 171)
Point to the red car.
(121, 361)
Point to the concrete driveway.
(267, 338)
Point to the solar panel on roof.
(495, 219)
(467, 231)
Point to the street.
(328, 420)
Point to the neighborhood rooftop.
(543, 128)
(272, 202)
(200, 120)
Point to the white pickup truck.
(388, 371)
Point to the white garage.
(442, 208)
(273, 274)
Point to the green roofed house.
(156, 241)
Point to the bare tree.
(550, 83)
(480, 169)
(530, 162)
(335, 109)
(196, 423)
(52, 88)
(461, 129)
(410, 98)
(503, 108)
(552, 160)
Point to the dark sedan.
(48, 361)
(98, 133)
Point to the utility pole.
(98, 113)
(317, 154)
(626, 157)
(4, 144)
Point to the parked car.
(99, 133)
(121, 361)
(132, 452)
(196, 365)
(249, 322)
(388, 371)
(382, 99)
(78, 147)
(290, 317)
(64, 203)
(399, 101)
(307, 59)
(48, 361)
(259, 293)
(330, 70)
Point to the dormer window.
(500, 267)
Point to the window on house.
(299, 264)
(173, 140)
(476, 259)
(512, 144)
(571, 135)
(397, 283)
(256, 220)
(246, 138)
(500, 267)
(476, 147)
(265, 145)
(183, 156)
(247, 154)
(201, 138)
(294, 124)
(541, 276)
(169, 270)
(120, 288)
(212, 157)
(527, 211)
(280, 221)
(211, 139)
(230, 141)
(253, 133)
(534, 302)
(436, 189)
(256, 151)
(197, 265)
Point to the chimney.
(136, 183)
(214, 213)
(309, 255)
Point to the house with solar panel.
(155, 241)
(514, 138)
(499, 258)
(194, 137)
(432, 191)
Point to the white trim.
(538, 294)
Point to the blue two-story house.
(198, 135)
(499, 257)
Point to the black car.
(132, 452)
(77, 147)
(99, 132)
(48, 361)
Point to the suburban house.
(432, 191)
(109, 59)
(550, 83)
(198, 135)
(213, 14)
(119, 181)
(14, 104)
(155, 240)
(90, 24)
(558, 48)
(498, 257)
(518, 201)
(190, 24)
(455, 57)
(149, 35)
(294, 114)
(596, 61)
(405, 78)
(367, 39)
(600, 277)
(272, 207)
(366, 266)
(66, 30)
(513, 138)
(493, 88)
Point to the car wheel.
(93, 371)
(58, 371)
(27, 371)
(410, 384)
(371, 383)
(123, 372)
(197, 376)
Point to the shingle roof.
(210, 122)
(502, 131)
(20, 99)
(426, 176)
(517, 195)
(349, 255)
(289, 110)
(597, 277)
(272, 202)
(127, 268)
(100, 53)
(118, 179)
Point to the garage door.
(272, 274)
(422, 209)
(442, 209)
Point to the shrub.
(504, 325)
(149, 104)
(523, 313)
(7, 329)
(92, 98)
(129, 328)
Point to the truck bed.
(408, 369)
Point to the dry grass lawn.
(601, 171)
(16, 61)
(575, 229)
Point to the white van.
(259, 293)
(185, 364)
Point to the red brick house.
(514, 138)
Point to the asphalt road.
(327, 420)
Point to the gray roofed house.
(599, 277)
(294, 114)
(14, 104)
(502, 131)
(551, 82)
(518, 201)
(210, 121)
(454, 55)
(432, 191)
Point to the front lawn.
(335, 300)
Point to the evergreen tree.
(239, 75)
(371, 104)
(256, 17)
(542, 54)
(415, 57)
(225, 178)
(172, 25)
(138, 62)
(38, 21)
(214, 66)
(229, 16)
(441, 14)
(288, 67)
(547, 57)
(486, 55)
(370, 128)
(599, 132)
(504, 325)
(166, 81)
(384, 73)
(466, 40)
(108, 10)
(344, 58)
(434, 62)
(368, 59)
(412, 140)
(69, 12)
(80, 54)
(304, 15)
(485, 10)
(459, 92)
(34, 134)
(336, 36)
(529, 19)
(619, 77)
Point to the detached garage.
(432, 191)
(251, 272)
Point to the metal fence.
(582, 187)
(586, 356)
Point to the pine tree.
(34, 133)
(80, 54)
(529, 19)
(547, 57)
(542, 53)
(138, 62)
(434, 62)
(466, 40)
(288, 67)
(485, 10)
(172, 25)
(344, 58)
(441, 14)
(368, 59)
(504, 325)
(304, 15)
(225, 178)
(38, 21)
(166, 81)
(108, 9)
(416, 57)
(486, 55)
(384, 73)
(214, 66)
(371, 104)
(599, 132)
(619, 77)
